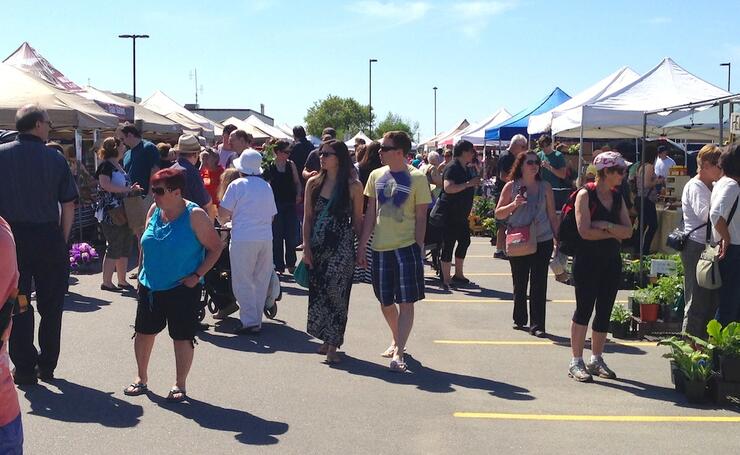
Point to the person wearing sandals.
(398, 199)
(701, 304)
(457, 200)
(527, 200)
(332, 217)
(597, 264)
(114, 185)
(178, 246)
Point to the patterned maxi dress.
(330, 279)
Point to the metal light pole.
(370, 92)
(729, 69)
(133, 41)
(435, 110)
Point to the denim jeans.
(284, 227)
(11, 437)
(729, 294)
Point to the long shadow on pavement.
(274, 338)
(83, 303)
(660, 393)
(80, 404)
(250, 429)
(431, 380)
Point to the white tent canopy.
(475, 132)
(151, 121)
(433, 142)
(164, 105)
(249, 128)
(620, 115)
(66, 110)
(541, 123)
(270, 130)
(351, 143)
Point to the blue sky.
(287, 54)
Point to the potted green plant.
(693, 365)
(620, 322)
(489, 227)
(669, 293)
(647, 299)
(727, 343)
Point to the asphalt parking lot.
(475, 385)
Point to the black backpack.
(568, 236)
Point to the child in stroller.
(218, 295)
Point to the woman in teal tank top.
(179, 246)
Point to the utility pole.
(370, 93)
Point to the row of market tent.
(26, 76)
(612, 108)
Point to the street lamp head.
(373, 60)
(434, 88)
(724, 64)
(133, 36)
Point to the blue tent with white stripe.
(518, 123)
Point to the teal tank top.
(171, 251)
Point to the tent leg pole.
(642, 196)
(580, 153)
(721, 124)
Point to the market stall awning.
(620, 115)
(541, 123)
(249, 128)
(360, 135)
(272, 131)
(475, 132)
(164, 105)
(152, 122)
(66, 109)
(434, 141)
(518, 123)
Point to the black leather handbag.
(677, 239)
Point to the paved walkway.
(476, 387)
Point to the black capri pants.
(176, 309)
(597, 281)
(453, 232)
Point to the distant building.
(219, 115)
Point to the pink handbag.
(521, 241)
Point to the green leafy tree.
(345, 115)
(393, 122)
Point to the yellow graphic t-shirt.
(397, 194)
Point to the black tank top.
(604, 247)
(283, 185)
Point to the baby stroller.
(218, 293)
(433, 245)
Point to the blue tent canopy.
(518, 123)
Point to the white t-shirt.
(724, 195)
(252, 207)
(662, 166)
(225, 156)
(695, 205)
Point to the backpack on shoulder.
(568, 236)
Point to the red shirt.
(9, 408)
(211, 180)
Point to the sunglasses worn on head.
(533, 162)
(160, 190)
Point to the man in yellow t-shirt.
(398, 198)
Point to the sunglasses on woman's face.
(159, 190)
(326, 154)
(533, 162)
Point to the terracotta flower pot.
(648, 312)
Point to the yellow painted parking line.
(596, 418)
(535, 343)
(483, 300)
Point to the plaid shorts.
(398, 275)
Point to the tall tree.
(345, 115)
(394, 122)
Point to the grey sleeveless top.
(533, 210)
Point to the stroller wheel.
(201, 313)
(212, 306)
(272, 311)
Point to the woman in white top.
(701, 304)
(726, 224)
(250, 205)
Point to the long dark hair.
(370, 161)
(344, 172)
(516, 169)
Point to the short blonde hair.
(709, 153)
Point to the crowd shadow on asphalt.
(79, 404)
(610, 348)
(83, 303)
(275, 337)
(659, 393)
(250, 429)
(431, 380)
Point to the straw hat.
(249, 162)
(187, 143)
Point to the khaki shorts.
(136, 210)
